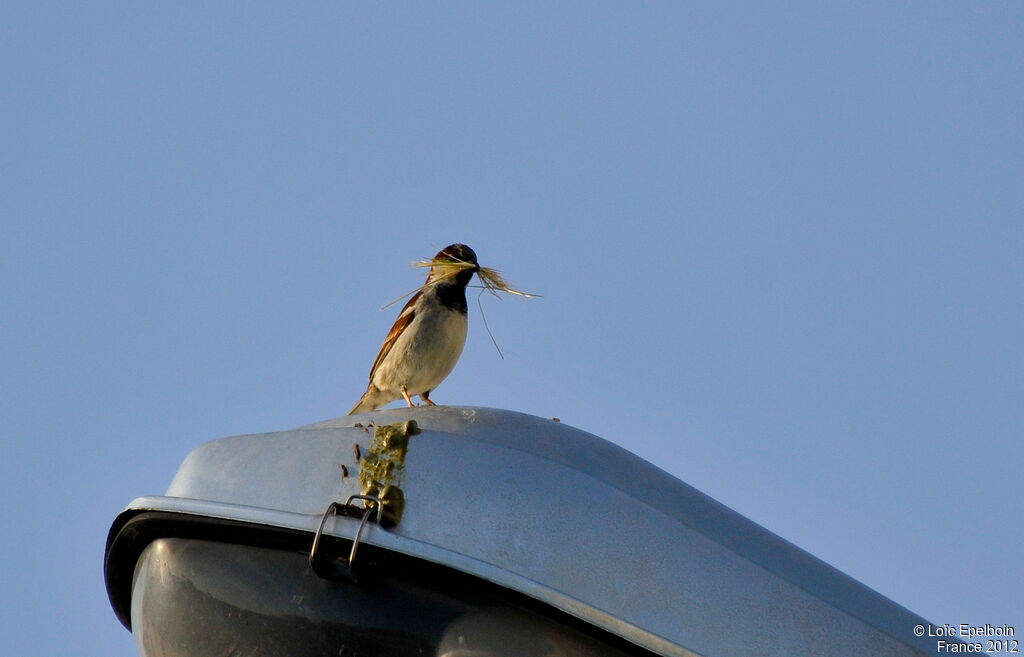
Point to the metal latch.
(335, 568)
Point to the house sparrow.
(426, 341)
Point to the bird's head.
(456, 263)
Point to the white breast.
(425, 353)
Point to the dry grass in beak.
(491, 279)
(441, 270)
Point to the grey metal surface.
(564, 517)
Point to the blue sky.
(780, 249)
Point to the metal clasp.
(338, 567)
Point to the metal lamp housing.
(480, 532)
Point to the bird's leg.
(408, 399)
(426, 397)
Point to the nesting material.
(491, 279)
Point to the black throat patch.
(452, 293)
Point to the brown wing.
(404, 318)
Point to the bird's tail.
(371, 400)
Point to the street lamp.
(465, 532)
